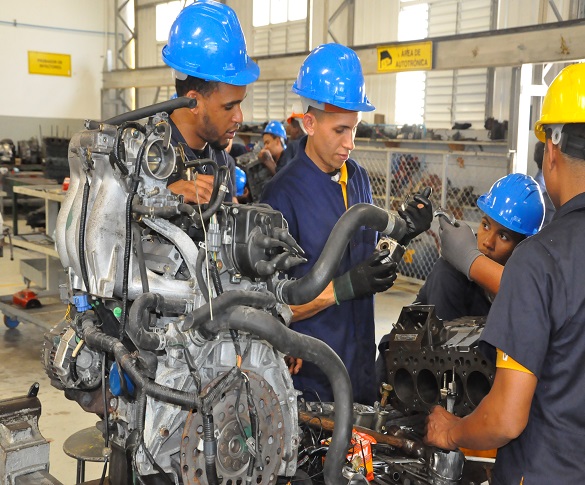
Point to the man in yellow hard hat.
(535, 328)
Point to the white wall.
(77, 28)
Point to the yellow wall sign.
(405, 57)
(49, 64)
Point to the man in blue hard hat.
(512, 210)
(207, 51)
(274, 155)
(313, 191)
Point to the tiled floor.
(21, 366)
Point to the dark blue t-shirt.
(221, 157)
(538, 319)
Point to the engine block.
(428, 359)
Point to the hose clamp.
(278, 289)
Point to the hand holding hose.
(418, 215)
(366, 278)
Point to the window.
(166, 13)
(267, 12)
(280, 27)
(413, 24)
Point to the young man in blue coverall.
(207, 51)
(534, 332)
(313, 191)
(513, 210)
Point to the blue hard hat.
(206, 41)
(275, 128)
(515, 202)
(241, 179)
(332, 74)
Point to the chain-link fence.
(457, 178)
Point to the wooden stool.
(85, 445)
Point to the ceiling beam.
(552, 42)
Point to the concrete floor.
(20, 350)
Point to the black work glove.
(366, 278)
(418, 220)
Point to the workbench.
(47, 271)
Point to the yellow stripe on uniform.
(343, 182)
(504, 361)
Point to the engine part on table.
(257, 174)
(191, 304)
(425, 355)
(7, 151)
(497, 130)
(37, 218)
(23, 450)
(29, 151)
(56, 158)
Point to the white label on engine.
(406, 337)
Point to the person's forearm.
(486, 273)
(481, 430)
(324, 300)
(501, 416)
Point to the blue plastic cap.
(114, 379)
(81, 303)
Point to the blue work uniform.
(290, 152)
(538, 319)
(312, 203)
(221, 157)
(453, 295)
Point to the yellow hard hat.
(564, 101)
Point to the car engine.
(177, 320)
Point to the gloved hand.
(418, 220)
(366, 278)
(458, 245)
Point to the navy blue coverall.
(312, 203)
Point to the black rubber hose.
(115, 155)
(217, 180)
(228, 299)
(200, 219)
(307, 348)
(139, 317)
(307, 288)
(140, 257)
(210, 449)
(82, 221)
(99, 341)
(128, 238)
(199, 273)
(138, 114)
